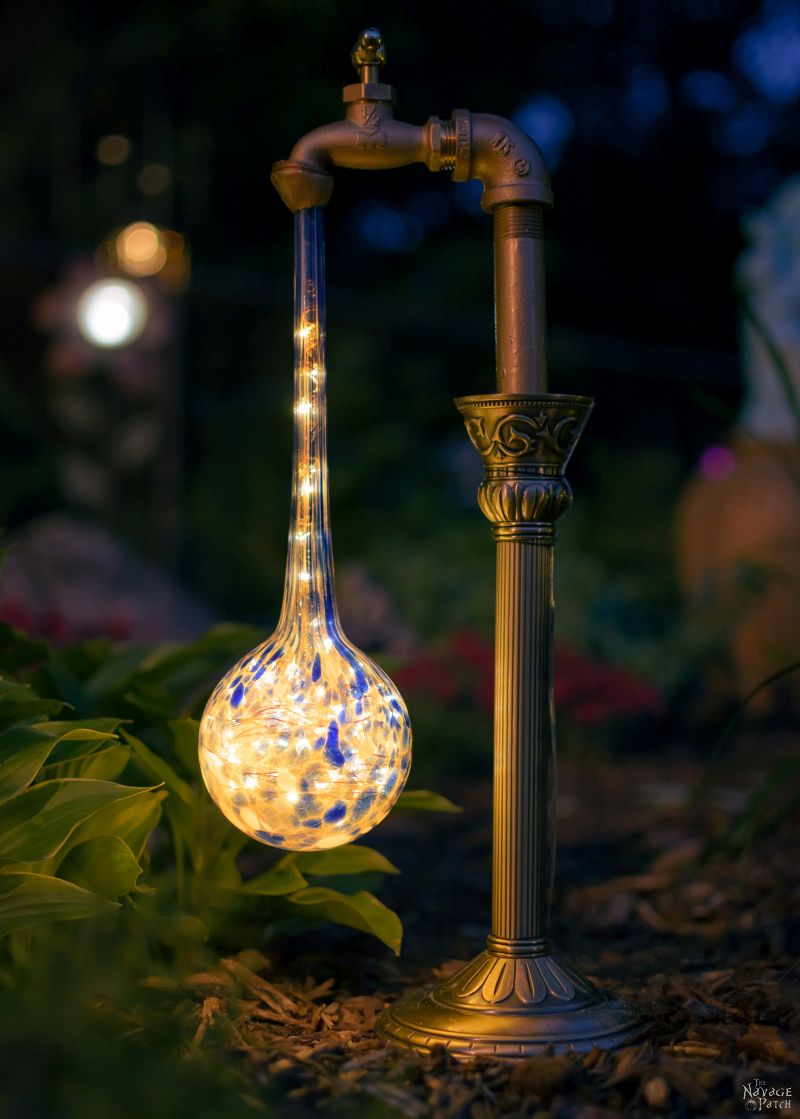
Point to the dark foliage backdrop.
(663, 123)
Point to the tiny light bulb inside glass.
(305, 744)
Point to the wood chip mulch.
(708, 951)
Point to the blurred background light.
(717, 463)
(647, 97)
(708, 89)
(140, 249)
(154, 178)
(745, 131)
(111, 313)
(388, 229)
(550, 121)
(768, 52)
(112, 150)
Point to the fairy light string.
(305, 743)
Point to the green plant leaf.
(160, 770)
(73, 744)
(115, 672)
(105, 763)
(105, 865)
(360, 911)
(17, 650)
(20, 701)
(32, 899)
(24, 749)
(184, 738)
(130, 819)
(425, 801)
(283, 878)
(174, 929)
(348, 859)
(36, 823)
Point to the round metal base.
(512, 1008)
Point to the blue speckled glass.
(305, 743)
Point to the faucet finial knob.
(369, 54)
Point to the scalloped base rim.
(449, 1015)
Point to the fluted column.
(523, 737)
(520, 995)
(525, 443)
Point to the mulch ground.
(707, 948)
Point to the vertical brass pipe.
(520, 297)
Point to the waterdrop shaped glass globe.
(305, 744)
(305, 748)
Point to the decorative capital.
(525, 443)
(532, 430)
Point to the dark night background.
(664, 123)
(145, 492)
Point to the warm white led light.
(305, 743)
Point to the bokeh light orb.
(140, 249)
(111, 313)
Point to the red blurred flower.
(587, 690)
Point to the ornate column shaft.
(525, 443)
(520, 995)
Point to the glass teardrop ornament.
(305, 744)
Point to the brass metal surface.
(476, 145)
(520, 297)
(519, 996)
(510, 1007)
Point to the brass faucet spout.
(516, 191)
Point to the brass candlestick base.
(510, 1007)
(519, 997)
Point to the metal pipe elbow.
(503, 157)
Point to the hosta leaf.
(105, 763)
(24, 749)
(283, 878)
(20, 701)
(184, 736)
(37, 822)
(224, 871)
(105, 865)
(360, 911)
(184, 665)
(131, 819)
(425, 801)
(74, 744)
(349, 859)
(160, 770)
(115, 672)
(31, 899)
(72, 729)
(175, 930)
(17, 650)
